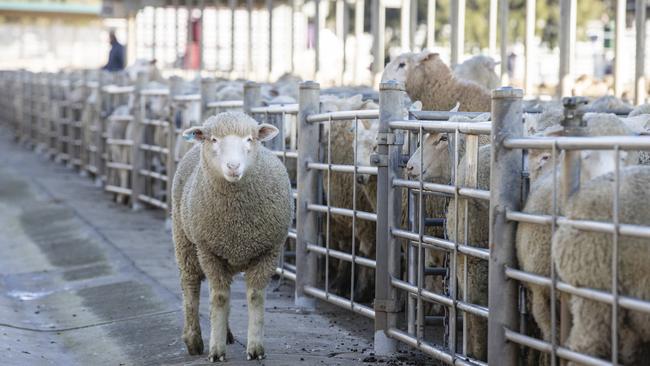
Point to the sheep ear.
(456, 108)
(416, 106)
(194, 134)
(426, 56)
(553, 130)
(266, 132)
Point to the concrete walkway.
(85, 281)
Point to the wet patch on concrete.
(59, 235)
(121, 300)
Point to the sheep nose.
(232, 166)
(409, 168)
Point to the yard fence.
(406, 305)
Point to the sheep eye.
(249, 139)
(214, 139)
(443, 138)
(401, 64)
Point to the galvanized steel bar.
(457, 31)
(388, 216)
(620, 14)
(344, 115)
(431, 24)
(580, 143)
(529, 46)
(567, 37)
(505, 194)
(252, 96)
(492, 30)
(503, 14)
(639, 69)
(137, 157)
(307, 221)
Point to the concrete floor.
(85, 281)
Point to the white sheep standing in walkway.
(231, 211)
(584, 259)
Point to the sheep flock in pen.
(231, 200)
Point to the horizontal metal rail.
(432, 350)
(128, 118)
(152, 201)
(226, 104)
(155, 122)
(114, 89)
(342, 212)
(154, 148)
(119, 142)
(547, 347)
(187, 98)
(627, 302)
(285, 274)
(366, 262)
(443, 188)
(581, 143)
(154, 175)
(468, 128)
(442, 115)
(116, 189)
(638, 231)
(439, 243)
(277, 109)
(120, 166)
(157, 92)
(344, 115)
(286, 154)
(343, 168)
(340, 301)
(477, 310)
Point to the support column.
(505, 195)
(457, 31)
(618, 47)
(530, 46)
(431, 24)
(503, 14)
(639, 70)
(567, 41)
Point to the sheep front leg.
(191, 286)
(255, 345)
(257, 279)
(220, 307)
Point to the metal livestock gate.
(403, 227)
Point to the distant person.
(116, 59)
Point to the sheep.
(231, 211)
(584, 259)
(533, 241)
(608, 103)
(430, 81)
(339, 193)
(436, 168)
(639, 110)
(478, 229)
(479, 69)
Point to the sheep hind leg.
(191, 286)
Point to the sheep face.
(435, 157)
(399, 68)
(230, 142)
(366, 146)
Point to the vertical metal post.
(639, 70)
(503, 14)
(175, 84)
(317, 26)
(249, 43)
(431, 24)
(292, 42)
(389, 202)
(306, 221)
(269, 9)
(99, 129)
(233, 8)
(252, 97)
(342, 21)
(567, 39)
(201, 36)
(492, 29)
(359, 10)
(457, 31)
(176, 30)
(529, 45)
(137, 155)
(153, 33)
(618, 47)
(405, 23)
(208, 94)
(378, 28)
(505, 195)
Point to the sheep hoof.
(255, 352)
(217, 358)
(194, 344)
(230, 339)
